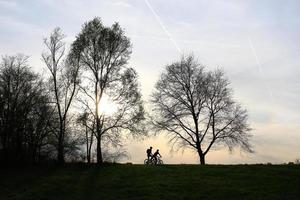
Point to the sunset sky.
(256, 42)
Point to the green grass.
(151, 182)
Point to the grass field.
(151, 182)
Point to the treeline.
(27, 116)
(89, 102)
(59, 116)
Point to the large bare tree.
(196, 109)
(64, 80)
(103, 53)
(25, 112)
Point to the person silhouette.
(154, 156)
(149, 153)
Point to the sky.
(256, 42)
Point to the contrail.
(255, 55)
(260, 69)
(162, 26)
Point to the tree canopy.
(196, 109)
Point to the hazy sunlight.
(107, 106)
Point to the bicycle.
(152, 162)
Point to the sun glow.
(107, 106)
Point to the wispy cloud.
(8, 4)
(122, 4)
(13, 24)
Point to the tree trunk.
(99, 151)
(60, 150)
(90, 149)
(201, 157)
(88, 157)
(200, 153)
(98, 129)
(60, 155)
(88, 153)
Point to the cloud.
(12, 24)
(124, 4)
(8, 4)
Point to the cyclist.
(149, 153)
(154, 156)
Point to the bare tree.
(103, 53)
(25, 112)
(196, 109)
(64, 80)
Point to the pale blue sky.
(255, 42)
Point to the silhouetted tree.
(87, 121)
(103, 53)
(25, 113)
(117, 155)
(64, 80)
(197, 110)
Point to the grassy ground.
(151, 182)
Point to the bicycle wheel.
(146, 162)
(160, 162)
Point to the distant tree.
(87, 121)
(25, 113)
(103, 53)
(63, 82)
(115, 156)
(196, 109)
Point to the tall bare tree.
(197, 110)
(103, 53)
(64, 80)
